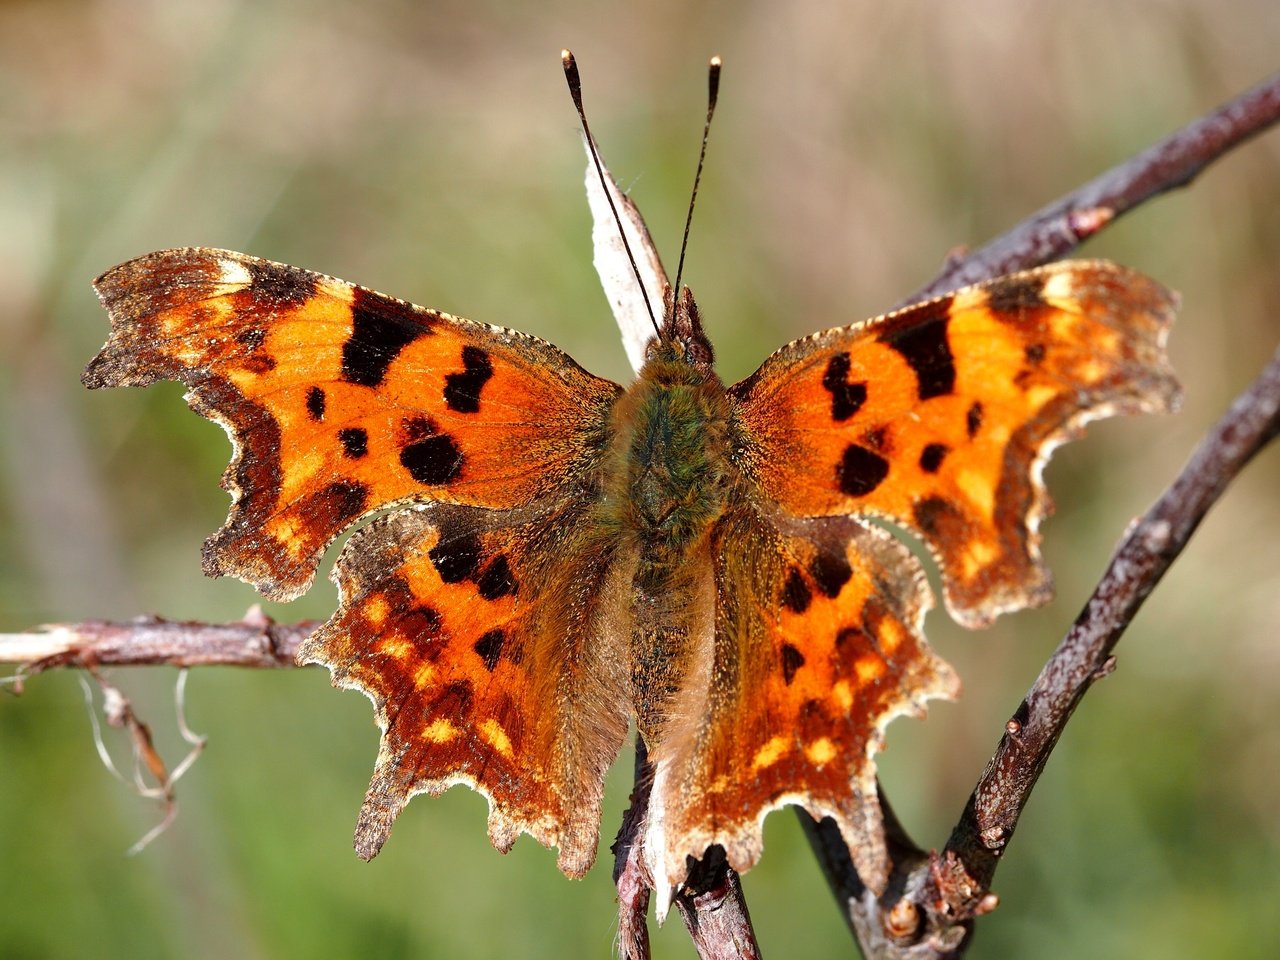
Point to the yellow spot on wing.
(375, 610)
(769, 754)
(821, 751)
(888, 636)
(980, 554)
(497, 738)
(287, 532)
(1037, 397)
(425, 676)
(843, 695)
(869, 668)
(439, 731)
(979, 491)
(394, 646)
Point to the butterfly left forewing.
(340, 401)
(940, 416)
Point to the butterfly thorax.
(669, 472)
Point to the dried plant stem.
(941, 896)
(254, 641)
(1084, 656)
(1055, 230)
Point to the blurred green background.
(429, 150)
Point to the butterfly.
(557, 557)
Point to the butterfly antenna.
(713, 91)
(575, 91)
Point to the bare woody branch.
(1055, 230)
(255, 641)
(1084, 656)
(933, 900)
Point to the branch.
(1054, 231)
(1084, 656)
(897, 926)
(255, 641)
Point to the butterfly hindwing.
(817, 645)
(940, 416)
(340, 400)
(487, 644)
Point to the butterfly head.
(681, 337)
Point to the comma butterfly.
(561, 556)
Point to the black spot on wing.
(1016, 293)
(489, 648)
(380, 329)
(1034, 353)
(434, 461)
(932, 456)
(279, 285)
(973, 419)
(860, 471)
(462, 390)
(355, 442)
(924, 345)
(830, 571)
(431, 458)
(846, 398)
(315, 404)
(457, 559)
(792, 660)
(796, 595)
(497, 579)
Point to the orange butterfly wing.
(940, 417)
(817, 645)
(477, 625)
(341, 401)
(487, 643)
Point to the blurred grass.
(430, 151)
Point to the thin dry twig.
(929, 906)
(119, 712)
(254, 641)
(1055, 230)
(933, 901)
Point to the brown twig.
(629, 874)
(255, 641)
(1055, 230)
(941, 897)
(715, 911)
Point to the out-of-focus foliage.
(429, 150)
